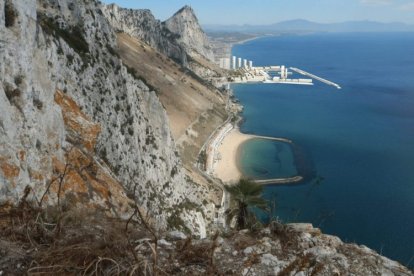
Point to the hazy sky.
(271, 11)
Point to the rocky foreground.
(76, 242)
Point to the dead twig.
(60, 177)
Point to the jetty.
(297, 70)
(280, 181)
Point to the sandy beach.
(225, 166)
(224, 162)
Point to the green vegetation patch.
(10, 14)
(135, 74)
(175, 221)
(73, 35)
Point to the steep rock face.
(194, 105)
(142, 24)
(75, 126)
(184, 24)
(180, 37)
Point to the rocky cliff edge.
(76, 128)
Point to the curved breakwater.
(272, 161)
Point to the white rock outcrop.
(179, 37)
(65, 50)
(142, 24)
(184, 24)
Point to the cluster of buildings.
(235, 63)
(284, 72)
(267, 74)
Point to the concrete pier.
(280, 181)
(262, 75)
(315, 77)
(266, 74)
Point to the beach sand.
(226, 167)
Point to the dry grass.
(287, 237)
(59, 241)
(184, 97)
(241, 242)
(301, 263)
(72, 242)
(191, 255)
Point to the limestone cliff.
(184, 24)
(178, 37)
(194, 106)
(76, 127)
(142, 24)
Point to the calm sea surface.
(359, 140)
(266, 159)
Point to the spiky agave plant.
(246, 195)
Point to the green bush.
(12, 93)
(10, 14)
(37, 103)
(73, 36)
(135, 74)
(245, 195)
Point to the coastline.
(310, 185)
(225, 157)
(223, 49)
(226, 164)
(225, 143)
(245, 41)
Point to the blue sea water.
(360, 139)
(266, 159)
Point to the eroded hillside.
(195, 107)
(194, 110)
(112, 148)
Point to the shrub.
(176, 222)
(202, 158)
(73, 36)
(174, 171)
(12, 93)
(112, 51)
(135, 74)
(245, 195)
(10, 14)
(70, 59)
(18, 80)
(37, 103)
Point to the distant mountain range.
(300, 26)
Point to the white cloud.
(376, 2)
(407, 7)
